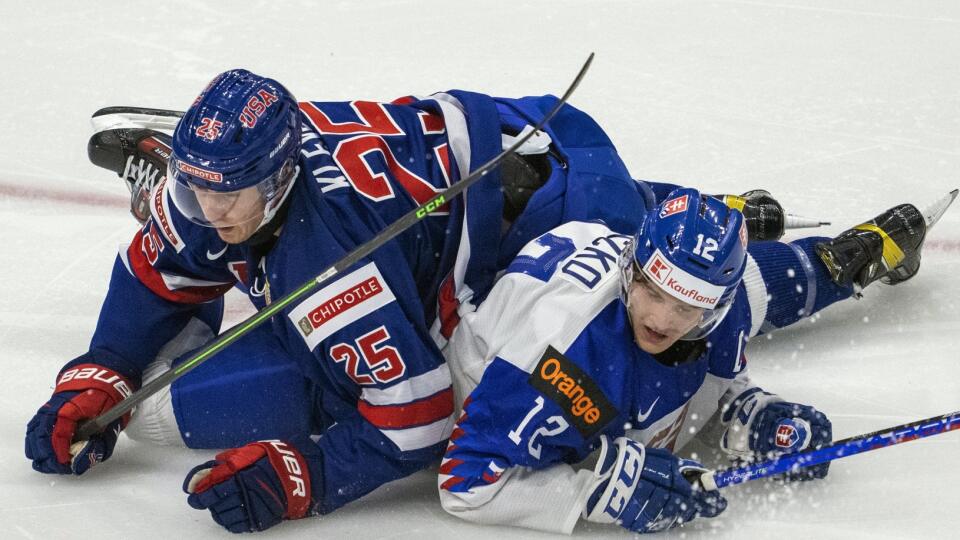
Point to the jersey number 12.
(554, 426)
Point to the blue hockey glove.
(83, 392)
(761, 426)
(253, 487)
(647, 490)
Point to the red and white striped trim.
(415, 413)
(412, 389)
(457, 134)
(180, 289)
(422, 412)
(422, 436)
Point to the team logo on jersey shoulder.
(583, 403)
(674, 206)
(344, 301)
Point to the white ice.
(841, 108)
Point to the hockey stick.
(847, 447)
(406, 221)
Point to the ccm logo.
(96, 374)
(430, 207)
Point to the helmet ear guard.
(692, 247)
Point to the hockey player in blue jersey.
(259, 192)
(634, 345)
(347, 387)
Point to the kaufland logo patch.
(203, 174)
(659, 269)
(690, 295)
(743, 235)
(674, 206)
(787, 436)
(680, 284)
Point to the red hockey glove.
(83, 392)
(253, 487)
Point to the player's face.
(658, 319)
(235, 215)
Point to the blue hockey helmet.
(694, 248)
(242, 131)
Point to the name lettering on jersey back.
(583, 403)
(344, 301)
(591, 265)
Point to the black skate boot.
(886, 248)
(139, 156)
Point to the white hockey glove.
(646, 489)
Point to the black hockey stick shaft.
(100, 423)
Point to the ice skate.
(139, 156)
(887, 247)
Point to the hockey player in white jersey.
(634, 346)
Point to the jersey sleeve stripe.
(420, 437)
(155, 281)
(458, 136)
(756, 295)
(174, 282)
(427, 411)
(412, 389)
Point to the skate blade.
(935, 211)
(792, 221)
(135, 118)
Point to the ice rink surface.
(840, 108)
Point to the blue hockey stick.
(847, 447)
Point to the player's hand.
(83, 392)
(784, 428)
(647, 490)
(761, 426)
(762, 213)
(253, 487)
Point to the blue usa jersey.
(548, 364)
(366, 341)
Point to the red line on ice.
(113, 201)
(950, 246)
(70, 197)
